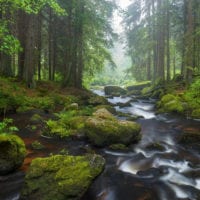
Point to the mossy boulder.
(12, 153)
(118, 147)
(36, 118)
(103, 129)
(155, 147)
(72, 106)
(36, 145)
(196, 113)
(110, 108)
(171, 103)
(61, 177)
(114, 90)
(96, 100)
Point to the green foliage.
(9, 44)
(192, 95)
(6, 126)
(68, 124)
(9, 101)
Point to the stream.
(168, 173)
(163, 171)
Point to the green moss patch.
(61, 177)
(171, 103)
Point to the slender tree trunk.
(189, 41)
(149, 37)
(154, 42)
(39, 43)
(168, 42)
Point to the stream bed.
(157, 168)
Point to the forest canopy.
(55, 39)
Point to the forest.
(99, 99)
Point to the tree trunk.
(189, 41)
(31, 51)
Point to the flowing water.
(157, 168)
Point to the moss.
(104, 129)
(155, 146)
(196, 114)
(97, 100)
(12, 153)
(72, 106)
(36, 118)
(111, 109)
(113, 89)
(61, 177)
(121, 147)
(171, 103)
(37, 145)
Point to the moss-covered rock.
(96, 100)
(72, 106)
(155, 147)
(104, 129)
(36, 118)
(120, 147)
(12, 153)
(61, 177)
(170, 103)
(36, 145)
(114, 90)
(111, 109)
(196, 114)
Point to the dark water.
(168, 172)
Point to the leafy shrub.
(68, 124)
(6, 126)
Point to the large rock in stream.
(103, 129)
(12, 153)
(61, 177)
(114, 90)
